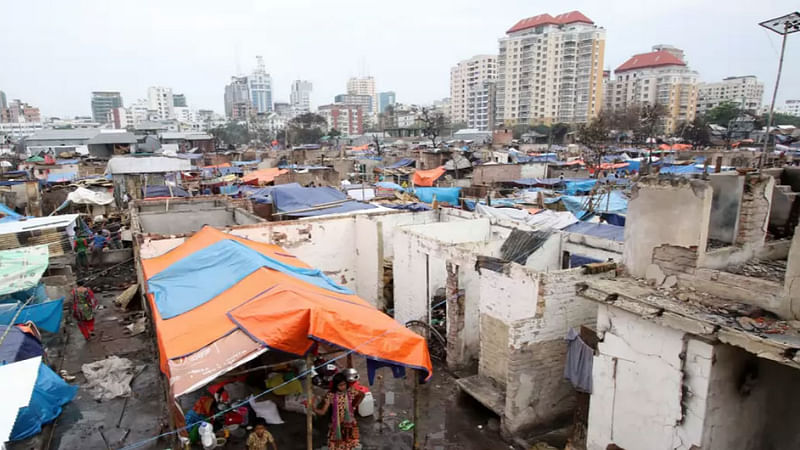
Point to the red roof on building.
(652, 59)
(547, 19)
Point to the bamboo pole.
(309, 404)
(416, 410)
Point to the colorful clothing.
(259, 443)
(343, 434)
(83, 306)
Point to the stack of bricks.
(754, 211)
(673, 259)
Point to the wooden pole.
(416, 410)
(309, 404)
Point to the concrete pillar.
(455, 318)
(754, 210)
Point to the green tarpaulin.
(21, 268)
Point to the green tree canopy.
(723, 113)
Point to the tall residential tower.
(260, 84)
(550, 69)
(103, 102)
(300, 98)
(471, 86)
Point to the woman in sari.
(83, 306)
(343, 402)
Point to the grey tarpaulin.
(578, 368)
(110, 377)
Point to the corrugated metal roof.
(113, 138)
(189, 136)
(61, 135)
(146, 164)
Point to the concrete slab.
(485, 391)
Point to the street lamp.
(784, 25)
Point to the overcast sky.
(54, 53)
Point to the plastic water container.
(367, 405)
(207, 437)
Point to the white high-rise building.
(160, 100)
(300, 98)
(657, 77)
(550, 69)
(470, 86)
(746, 92)
(260, 84)
(792, 107)
(363, 86)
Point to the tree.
(695, 132)
(723, 113)
(306, 128)
(780, 119)
(651, 121)
(558, 132)
(627, 122)
(594, 135)
(519, 129)
(232, 133)
(433, 123)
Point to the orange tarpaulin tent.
(217, 166)
(263, 176)
(266, 309)
(675, 147)
(427, 177)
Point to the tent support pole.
(415, 420)
(309, 404)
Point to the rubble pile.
(772, 270)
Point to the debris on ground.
(772, 270)
(137, 327)
(126, 296)
(110, 377)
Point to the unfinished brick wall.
(674, 260)
(754, 210)
(494, 349)
(536, 392)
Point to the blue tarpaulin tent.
(46, 316)
(405, 162)
(601, 230)
(448, 195)
(50, 393)
(612, 202)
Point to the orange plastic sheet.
(428, 177)
(263, 176)
(217, 166)
(280, 312)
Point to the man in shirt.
(260, 437)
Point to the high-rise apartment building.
(385, 100)
(550, 69)
(237, 98)
(103, 102)
(179, 101)
(347, 119)
(300, 98)
(161, 101)
(260, 84)
(3, 100)
(18, 112)
(364, 101)
(746, 92)
(470, 83)
(363, 86)
(792, 107)
(658, 77)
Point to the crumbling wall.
(792, 280)
(754, 211)
(762, 394)
(486, 175)
(725, 203)
(665, 210)
(649, 385)
(536, 392)
(493, 361)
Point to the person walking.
(83, 307)
(81, 252)
(343, 433)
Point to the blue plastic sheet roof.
(601, 230)
(405, 162)
(164, 191)
(8, 214)
(449, 195)
(287, 198)
(613, 202)
(201, 276)
(61, 177)
(389, 185)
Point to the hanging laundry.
(578, 367)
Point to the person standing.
(81, 249)
(83, 307)
(343, 433)
(98, 242)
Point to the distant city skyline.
(170, 52)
